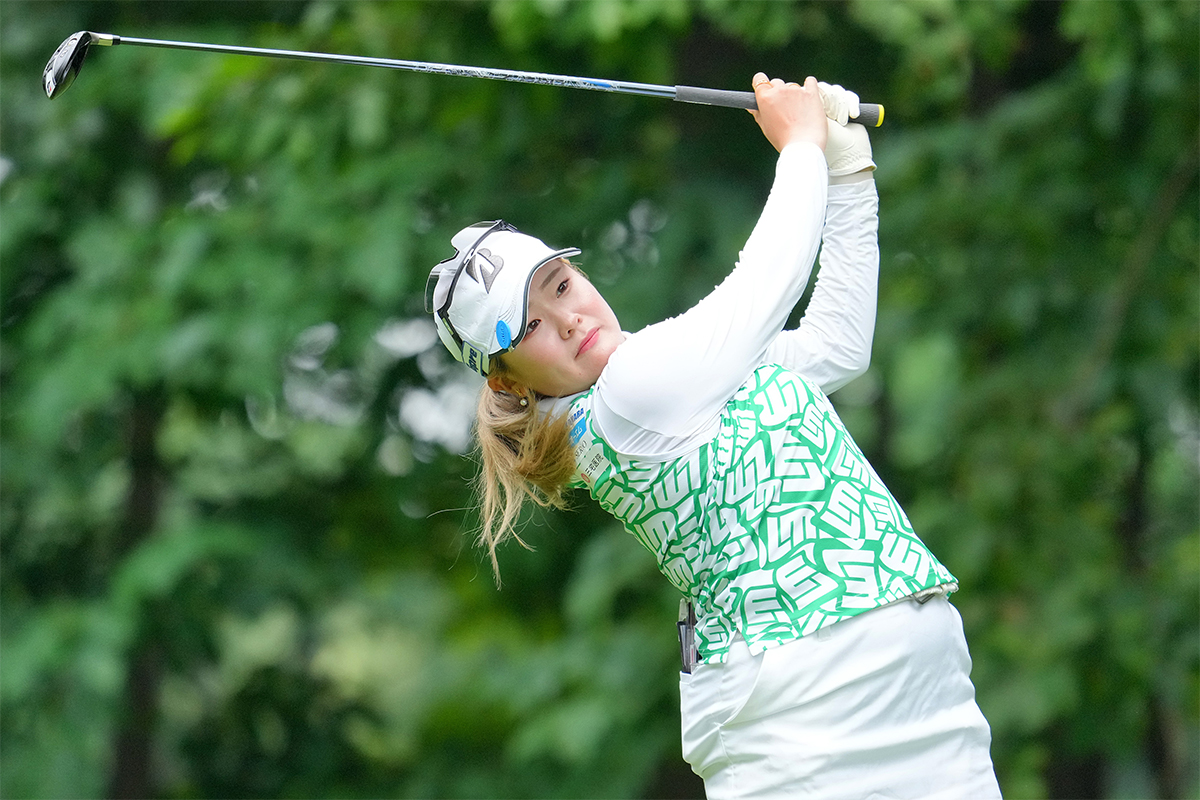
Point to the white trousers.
(878, 707)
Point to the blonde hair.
(524, 456)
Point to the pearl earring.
(524, 402)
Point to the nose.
(567, 323)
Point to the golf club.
(64, 66)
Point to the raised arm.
(832, 345)
(674, 377)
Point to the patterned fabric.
(775, 529)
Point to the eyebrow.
(550, 277)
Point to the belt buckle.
(941, 590)
(688, 653)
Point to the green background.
(235, 553)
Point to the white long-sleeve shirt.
(710, 436)
(663, 389)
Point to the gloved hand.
(848, 149)
(840, 104)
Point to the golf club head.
(64, 65)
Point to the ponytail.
(524, 455)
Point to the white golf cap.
(479, 297)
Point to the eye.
(562, 287)
(533, 323)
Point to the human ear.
(502, 383)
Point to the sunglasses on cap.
(443, 312)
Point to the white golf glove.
(848, 150)
(840, 104)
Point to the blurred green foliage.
(234, 527)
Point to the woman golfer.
(821, 656)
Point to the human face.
(569, 337)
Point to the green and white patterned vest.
(775, 528)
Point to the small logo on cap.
(473, 358)
(503, 334)
(484, 267)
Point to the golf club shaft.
(870, 114)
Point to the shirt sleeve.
(668, 383)
(832, 345)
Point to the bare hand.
(789, 112)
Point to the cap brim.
(522, 323)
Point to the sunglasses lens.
(430, 287)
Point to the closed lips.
(587, 341)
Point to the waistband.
(689, 653)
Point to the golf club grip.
(869, 114)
